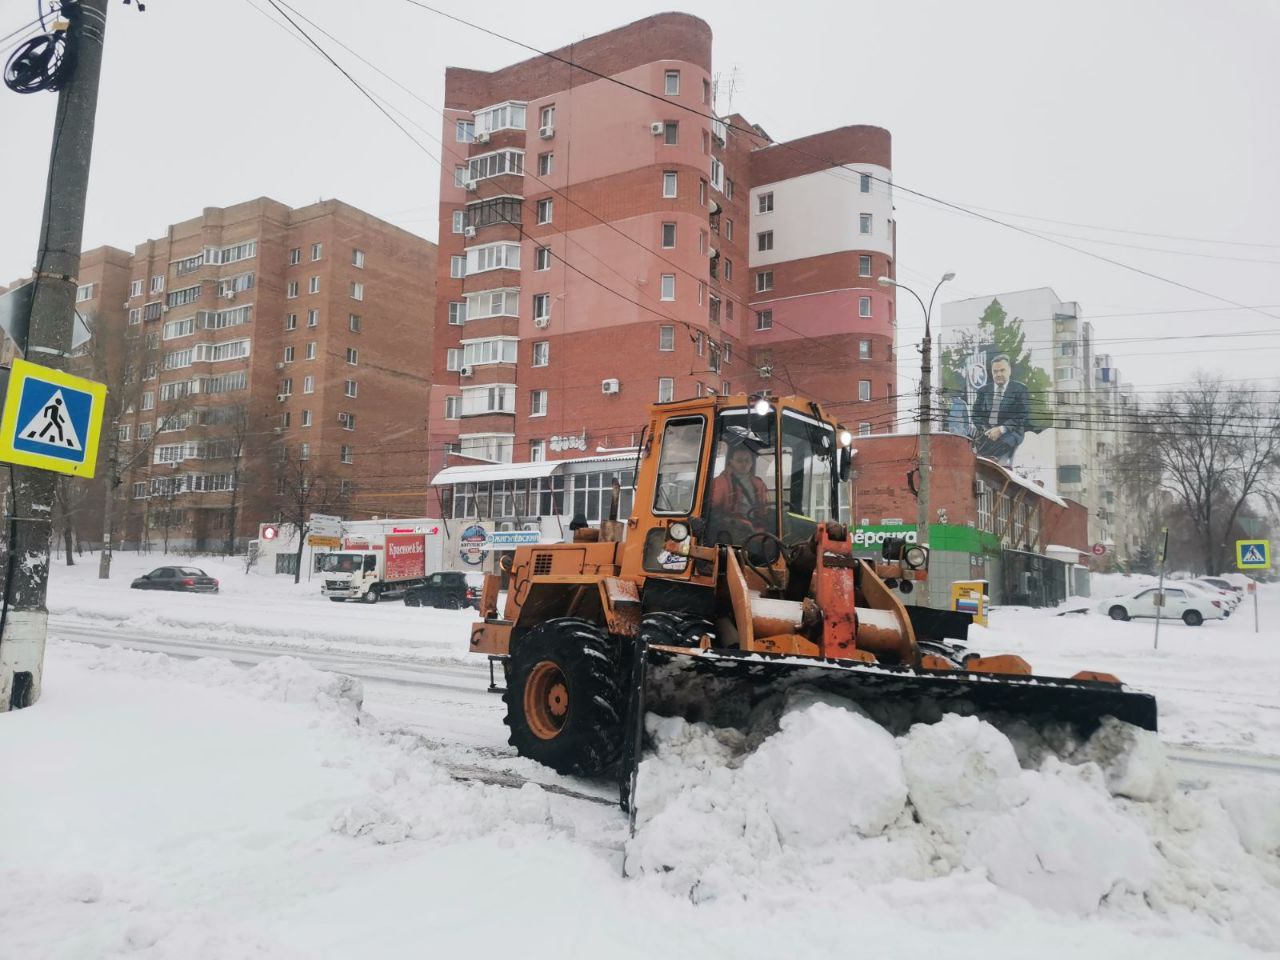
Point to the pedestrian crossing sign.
(51, 420)
(1253, 554)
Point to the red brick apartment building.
(301, 335)
(606, 242)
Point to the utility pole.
(25, 620)
(926, 420)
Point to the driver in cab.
(738, 496)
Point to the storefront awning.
(483, 472)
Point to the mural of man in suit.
(1001, 412)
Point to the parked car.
(445, 588)
(1222, 582)
(186, 579)
(1187, 604)
(1218, 593)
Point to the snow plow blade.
(722, 684)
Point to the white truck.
(371, 568)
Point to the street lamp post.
(926, 416)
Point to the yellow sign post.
(52, 420)
(970, 596)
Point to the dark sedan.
(188, 579)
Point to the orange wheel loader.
(731, 580)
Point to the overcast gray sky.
(1153, 116)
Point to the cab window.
(678, 469)
(742, 497)
(808, 467)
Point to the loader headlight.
(846, 438)
(678, 531)
(761, 407)
(915, 557)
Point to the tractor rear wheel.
(664, 628)
(564, 706)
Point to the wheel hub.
(546, 700)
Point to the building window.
(459, 176)
(291, 321)
(304, 451)
(765, 202)
(666, 389)
(547, 118)
(135, 315)
(542, 258)
(295, 256)
(864, 349)
(288, 354)
(541, 353)
(453, 359)
(544, 210)
(157, 284)
(458, 312)
(357, 258)
(453, 408)
(668, 287)
(671, 133)
(864, 266)
(537, 403)
(764, 281)
(357, 290)
(350, 388)
(314, 286)
(493, 256)
(286, 387)
(728, 275)
(348, 454)
(864, 429)
(291, 289)
(135, 288)
(669, 183)
(464, 131)
(728, 229)
(311, 350)
(864, 306)
(457, 267)
(496, 164)
(864, 389)
(317, 249)
(306, 418)
(308, 384)
(764, 320)
(669, 235)
(764, 240)
(864, 183)
(699, 344)
(148, 401)
(864, 223)
(541, 306)
(671, 83)
(353, 323)
(546, 163)
(728, 347)
(702, 192)
(459, 220)
(706, 142)
(313, 318)
(728, 188)
(666, 338)
(347, 420)
(537, 451)
(353, 356)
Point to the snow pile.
(832, 806)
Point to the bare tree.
(303, 489)
(238, 432)
(1215, 448)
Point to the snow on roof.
(516, 471)
(1024, 482)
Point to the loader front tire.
(667, 629)
(564, 705)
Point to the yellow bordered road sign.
(52, 420)
(1253, 554)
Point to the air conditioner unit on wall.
(546, 133)
(656, 127)
(482, 137)
(465, 371)
(542, 322)
(281, 397)
(609, 386)
(469, 186)
(468, 231)
(979, 487)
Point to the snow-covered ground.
(192, 808)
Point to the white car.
(1190, 606)
(1225, 594)
(1222, 582)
